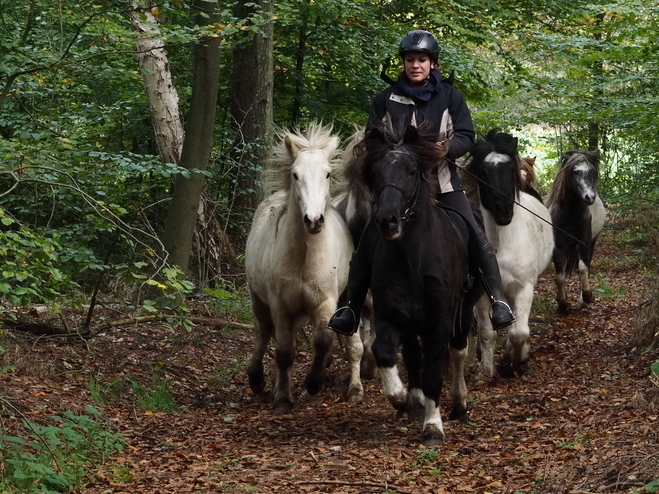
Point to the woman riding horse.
(420, 96)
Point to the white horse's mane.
(316, 136)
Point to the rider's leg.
(346, 319)
(482, 254)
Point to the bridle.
(410, 201)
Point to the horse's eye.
(328, 175)
(296, 177)
(411, 173)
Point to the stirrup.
(501, 323)
(342, 327)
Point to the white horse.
(519, 226)
(296, 260)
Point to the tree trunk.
(299, 63)
(251, 115)
(183, 211)
(160, 91)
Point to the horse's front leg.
(368, 368)
(264, 331)
(355, 392)
(486, 339)
(413, 360)
(587, 296)
(560, 266)
(517, 346)
(285, 333)
(385, 347)
(323, 340)
(432, 380)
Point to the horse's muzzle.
(390, 228)
(316, 226)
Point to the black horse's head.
(577, 177)
(494, 163)
(396, 166)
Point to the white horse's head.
(311, 167)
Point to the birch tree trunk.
(161, 94)
(251, 115)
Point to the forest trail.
(576, 423)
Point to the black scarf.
(422, 93)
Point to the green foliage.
(58, 458)
(654, 370)
(157, 398)
(230, 301)
(30, 266)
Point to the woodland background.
(133, 133)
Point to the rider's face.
(417, 67)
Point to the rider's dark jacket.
(441, 105)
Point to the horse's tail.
(572, 262)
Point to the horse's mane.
(418, 142)
(276, 175)
(495, 141)
(562, 183)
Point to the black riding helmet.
(422, 41)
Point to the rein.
(464, 169)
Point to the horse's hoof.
(282, 407)
(587, 297)
(355, 395)
(256, 380)
(459, 414)
(313, 384)
(509, 370)
(432, 436)
(563, 307)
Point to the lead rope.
(515, 201)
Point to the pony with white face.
(296, 260)
(518, 225)
(579, 215)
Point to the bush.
(56, 458)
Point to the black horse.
(419, 275)
(578, 215)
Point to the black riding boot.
(346, 319)
(502, 315)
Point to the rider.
(420, 95)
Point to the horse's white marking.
(496, 159)
(433, 417)
(586, 187)
(392, 386)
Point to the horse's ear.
(332, 146)
(291, 147)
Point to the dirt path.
(575, 423)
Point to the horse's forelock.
(316, 136)
(562, 183)
(496, 141)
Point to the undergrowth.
(56, 458)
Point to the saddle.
(460, 225)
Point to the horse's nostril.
(321, 220)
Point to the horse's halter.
(410, 202)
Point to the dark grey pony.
(578, 215)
